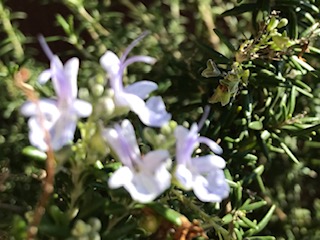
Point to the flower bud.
(150, 135)
(149, 223)
(98, 144)
(283, 22)
(166, 129)
(272, 24)
(80, 228)
(97, 90)
(95, 224)
(105, 106)
(245, 76)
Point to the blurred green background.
(269, 131)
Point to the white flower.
(203, 174)
(152, 112)
(144, 177)
(58, 116)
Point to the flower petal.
(135, 103)
(36, 135)
(194, 131)
(141, 89)
(70, 87)
(211, 189)
(112, 137)
(152, 160)
(181, 134)
(82, 108)
(163, 178)
(220, 185)
(205, 164)
(110, 63)
(44, 76)
(129, 135)
(202, 192)
(62, 132)
(154, 114)
(120, 177)
(146, 187)
(123, 142)
(184, 176)
(45, 106)
(185, 145)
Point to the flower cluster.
(152, 112)
(58, 115)
(147, 176)
(203, 174)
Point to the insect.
(212, 70)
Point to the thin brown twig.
(20, 79)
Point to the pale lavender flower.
(59, 116)
(153, 111)
(144, 177)
(203, 174)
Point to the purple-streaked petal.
(129, 136)
(185, 145)
(123, 142)
(62, 132)
(184, 176)
(220, 185)
(60, 127)
(183, 152)
(214, 188)
(70, 87)
(45, 116)
(202, 192)
(141, 89)
(154, 114)
(146, 187)
(44, 76)
(211, 144)
(205, 164)
(203, 174)
(152, 160)
(112, 138)
(121, 177)
(82, 108)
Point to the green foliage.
(255, 63)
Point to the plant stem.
(5, 17)
(189, 204)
